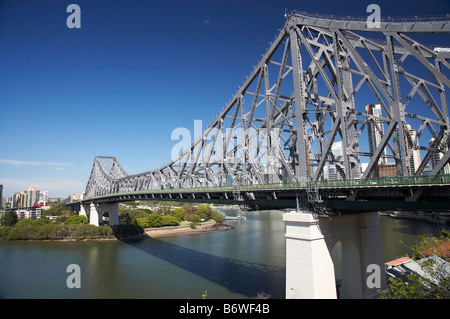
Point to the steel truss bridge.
(328, 92)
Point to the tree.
(188, 209)
(152, 220)
(169, 221)
(155, 220)
(77, 219)
(178, 213)
(134, 213)
(194, 218)
(431, 253)
(163, 210)
(9, 218)
(217, 217)
(125, 219)
(204, 211)
(143, 222)
(57, 209)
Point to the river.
(239, 263)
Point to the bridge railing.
(380, 182)
(386, 181)
(373, 182)
(423, 19)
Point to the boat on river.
(238, 217)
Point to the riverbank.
(205, 227)
(86, 232)
(441, 219)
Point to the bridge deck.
(379, 193)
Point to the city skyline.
(108, 88)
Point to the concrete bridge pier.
(309, 268)
(310, 241)
(84, 210)
(94, 213)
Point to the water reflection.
(246, 278)
(239, 263)
(399, 235)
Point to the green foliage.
(204, 211)
(43, 229)
(77, 219)
(143, 222)
(34, 222)
(408, 287)
(125, 219)
(61, 219)
(170, 221)
(188, 209)
(88, 231)
(4, 231)
(134, 213)
(217, 217)
(431, 245)
(155, 220)
(58, 209)
(194, 218)
(436, 282)
(9, 218)
(178, 213)
(163, 210)
(124, 231)
(152, 220)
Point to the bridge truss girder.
(309, 91)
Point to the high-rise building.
(333, 170)
(32, 196)
(410, 136)
(414, 160)
(435, 158)
(375, 131)
(19, 199)
(43, 197)
(336, 150)
(26, 198)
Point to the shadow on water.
(246, 278)
(411, 226)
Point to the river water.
(238, 263)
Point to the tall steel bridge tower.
(311, 89)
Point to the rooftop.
(398, 261)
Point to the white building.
(375, 130)
(31, 212)
(435, 158)
(43, 197)
(414, 160)
(332, 170)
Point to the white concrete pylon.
(309, 267)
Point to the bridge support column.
(95, 214)
(97, 210)
(84, 210)
(309, 267)
(113, 210)
(361, 253)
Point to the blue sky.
(134, 72)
